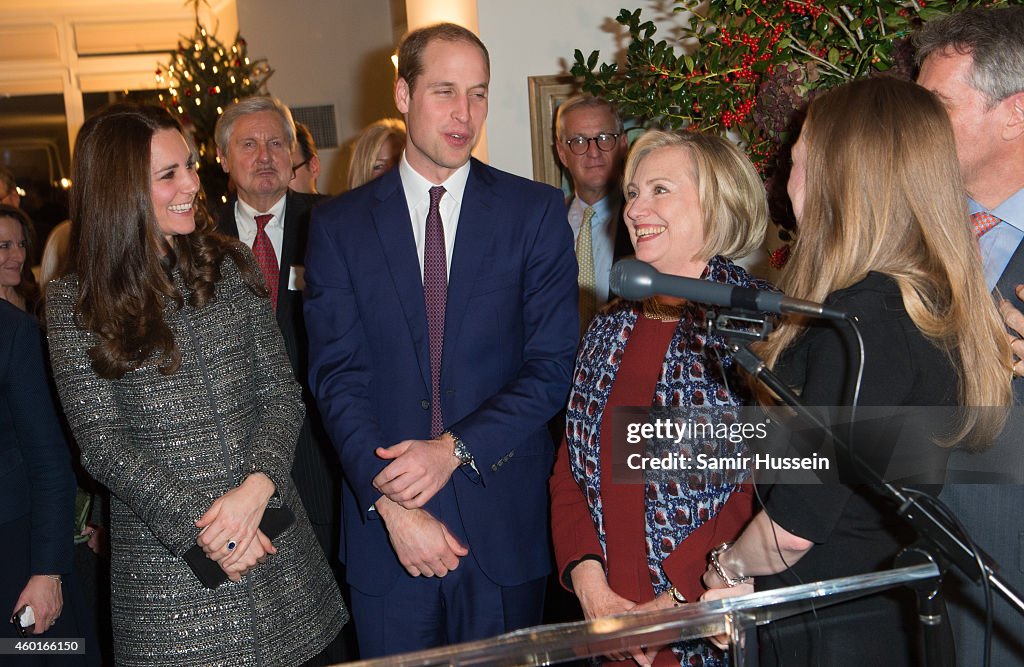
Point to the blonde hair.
(883, 192)
(732, 198)
(368, 144)
(56, 254)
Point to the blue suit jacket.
(510, 337)
(35, 466)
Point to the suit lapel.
(394, 231)
(289, 250)
(623, 246)
(226, 223)
(476, 228)
(1013, 275)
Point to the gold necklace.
(656, 310)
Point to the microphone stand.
(947, 545)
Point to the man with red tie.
(255, 138)
(442, 320)
(972, 61)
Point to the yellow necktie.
(585, 258)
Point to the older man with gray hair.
(591, 145)
(974, 62)
(255, 139)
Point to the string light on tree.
(200, 81)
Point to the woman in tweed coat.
(175, 382)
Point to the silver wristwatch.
(461, 452)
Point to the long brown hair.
(121, 259)
(883, 192)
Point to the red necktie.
(983, 222)
(265, 257)
(435, 294)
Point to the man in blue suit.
(442, 320)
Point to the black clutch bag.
(275, 521)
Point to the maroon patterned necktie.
(435, 294)
(983, 222)
(265, 257)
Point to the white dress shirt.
(245, 218)
(999, 243)
(417, 197)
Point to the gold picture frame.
(546, 93)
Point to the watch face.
(461, 451)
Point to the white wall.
(536, 37)
(336, 52)
(326, 52)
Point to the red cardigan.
(573, 528)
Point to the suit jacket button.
(425, 404)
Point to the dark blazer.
(315, 468)
(623, 246)
(991, 511)
(35, 466)
(510, 335)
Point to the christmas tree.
(203, 77)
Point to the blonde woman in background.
(377, 149)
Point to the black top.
(853, 527)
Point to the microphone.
(635, 280)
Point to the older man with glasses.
(305, 162)
(591, 145)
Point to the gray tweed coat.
(167, 447)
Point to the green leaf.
(688, 60)
(592, 60)
(833, 55)
(930, 14)
(895, 21)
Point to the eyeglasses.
(296, 167)
(580, 145)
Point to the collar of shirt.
(417, 198)
(602, 213)
(999, 243)
(245, 219)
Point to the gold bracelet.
(677, 597)
(55, 577)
